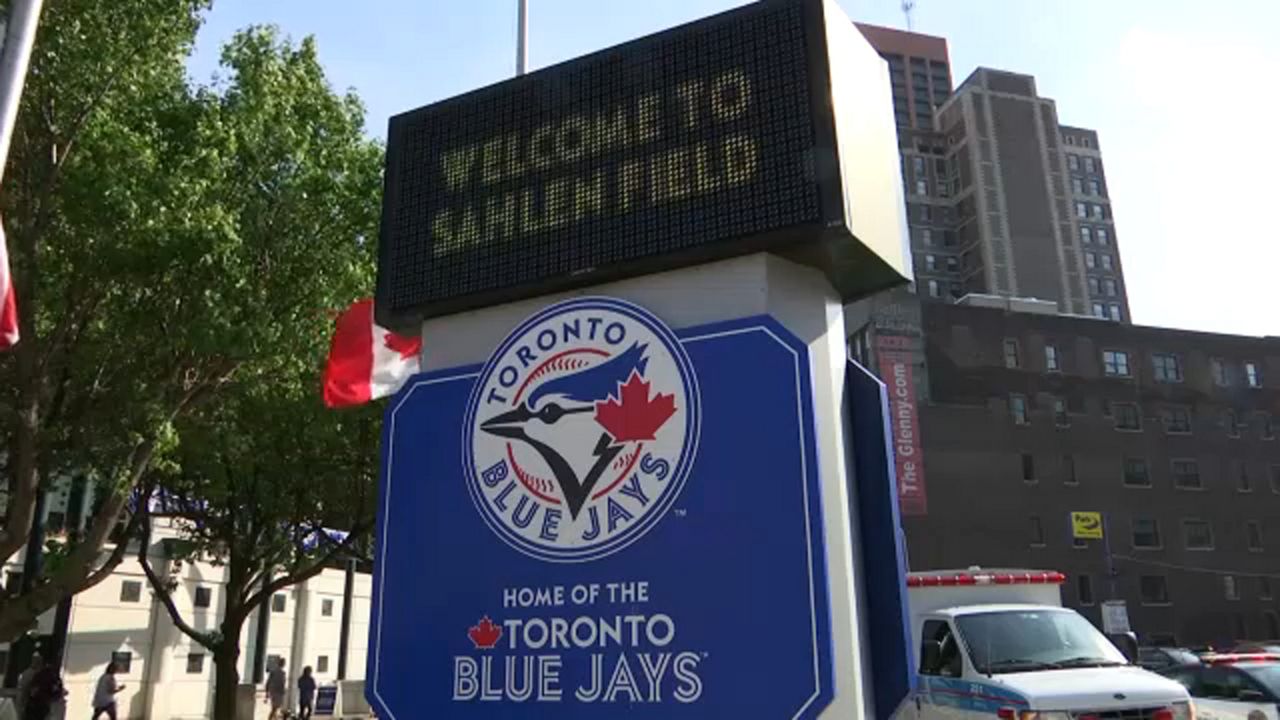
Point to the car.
(1232, 686)
(1159, 658)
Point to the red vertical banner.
(895, 358)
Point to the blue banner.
(608, 516)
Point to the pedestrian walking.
(104, 697)
(46, 689)
(276, 686)
(306, 693)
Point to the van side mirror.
(930, 657)
(1249, 695)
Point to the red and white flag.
(366, 361)
(8, 300)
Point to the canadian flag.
(8, 301)
(366, 361)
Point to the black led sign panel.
(700, 142)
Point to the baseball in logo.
(582, 429)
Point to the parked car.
(1232, 686)
(1160, 658)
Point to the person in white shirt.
(104, 697)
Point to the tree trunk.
(226, 677)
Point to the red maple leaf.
(403, 344)
(485, 634)
(636, 417)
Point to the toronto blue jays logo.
(581, 430)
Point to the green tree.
(93, 229)
(172, 246)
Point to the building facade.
(1030, 415)
(169, 676)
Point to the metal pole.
(20, 37)
(344, 634)
(522, 38)
(1111, 569)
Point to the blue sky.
(1183, 95)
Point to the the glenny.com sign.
(686, 141)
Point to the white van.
(999, 642)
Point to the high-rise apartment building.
(1001, 199)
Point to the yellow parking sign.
(1086, 525)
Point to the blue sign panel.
(608, 516)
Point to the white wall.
(159, 684)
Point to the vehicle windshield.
(1028, 640)
(1266, 675)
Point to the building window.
(1127, 416)
(322, 664)
(1028, 467)
(1229, 589)
(1177, 420)
(1084, 589)
(1095, 288)
(1069, 471)
(1186, 474)
(1275, 479)
(1073, 161)
(926, 237)
(1018, 409)
(1197, 534)
(917, 165)
(1136, 473)
(277, 603)
(922, 187)
(1051, 362)
(1097, 212)
(934, 289)
(123, 662)
(1231, 421)
(1037, 532)
(1115, 312)
(203, 597)
(931, 263)
(326, 608)
(1252, 375)
(1090, 260)
(195, 663)
(1060, 416)
(1089, 165)
(1011, 358)
(1254, 532)
(1268, 428)
(1107, 263)
(1077, 186)
(926, 213)
(1153, 589)
(953, 264)
(1264, 592)
(1082, 211)
(1095, 187)
(1102, 237)
(1100, 310)
(1167, 367)
(130, 591)
(1146, 533)
(1243, 482)
(1086, 235)
(1070, 139)
(1218, 368)
(1109, 287)
(1115, 363)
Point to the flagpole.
(20, 37)
(522, 37)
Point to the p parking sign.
(1086, 525)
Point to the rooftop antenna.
(907, 7)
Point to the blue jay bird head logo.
(581, 430)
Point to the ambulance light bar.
(984, 578)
